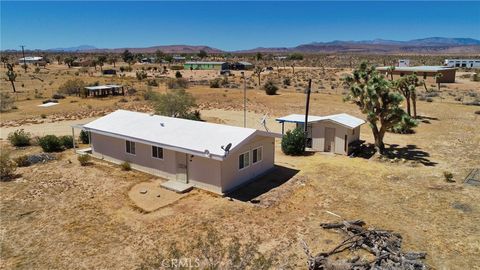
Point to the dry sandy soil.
(60, 215)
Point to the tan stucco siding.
(232, 177)
(113, 149)
(205, 173)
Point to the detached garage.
(217, 158)
(332, 133)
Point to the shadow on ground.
(426, 119)
(275, 178)
(409, 152)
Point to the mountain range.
(425, 45)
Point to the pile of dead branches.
(384, 245)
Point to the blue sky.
(228, 25)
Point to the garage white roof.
(342, 118)
(193, 137)
(418, 68)
(101, 87)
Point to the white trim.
(261, 157)
(157, 152)
(249, 161)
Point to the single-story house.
(190, 65)
(104, 90)
(426, 72)
(214, 157)
(462, 63)
(30, 60)
(242, 65)
(336, 133)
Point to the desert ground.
(60, 215)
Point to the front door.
(181, 160)
(329, 145)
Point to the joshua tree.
(438, 76)
(259, 56)
(4, 60)
(390, 70)
(69, 61)
(258, 71)
(128, 57)
(159, 55)
(407, 87)
(202, 54)
(58, 58)
(373, 94)
(112, 60)
(101, 59)
(11, 75)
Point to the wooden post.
(283, 128)
(307, 106)
(73, 138)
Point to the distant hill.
(425, 45)
(80, 48)
(176, 49)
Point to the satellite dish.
(227, 148)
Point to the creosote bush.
(448, 176)
(84, 159)
(50, 143)
(7, 166)
(125, 166)
(293, 142)
(84, 137)
(270, 88)
(66, 141)
(19, 138)
(22, 161)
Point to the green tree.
(374, 95)
(128, 57)
(101, 59)
(407, 87)
(159, 55)
(112, 60)
(69, 61)
(293, 142)
(202, 54)
(178, 74)
(295, 56)
(11, 76)
(259, 56)
(175, 103)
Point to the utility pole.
(244, 100)
(307, 107)
(24, 61)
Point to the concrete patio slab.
(176, 186)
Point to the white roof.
(188, 136)
(100, 87)
(418, 68)
(31, 58)
(342, 118)
(203, 63)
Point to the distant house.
(214, 157)
(280, 58)
(178, 58)
(426, 72)
(147, 60)
(404, 63)
(30, 60)
(338, 133)
(205, 65)
(104, 90)
(463, 63)
(109, 72)
(242, 66)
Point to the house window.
(346, 143)
(157, 152)
(243, 160)
(257, 155)
(130, 147)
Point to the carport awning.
(298, 118)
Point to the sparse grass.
(84, 159)
(125, 166)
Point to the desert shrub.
(7, 166)
(43, 116)
(19, 138)
(429, 99)
(84, 137)
(125, 166)
(124, 100)
(477, 112)
(215, 83)
(50, 143)
(293, 142)
(84, 159)
(152, 82)
(405, 126)
(149, 95)
(72, 87)
(295, 56)
(287, 81)
(58, 96)
(448, 176)
(178, 74)
(66, 141)
(270, 88)
(175, 103)
(22, 161)
(36, 70)
(178, 83)
(83, 70)
(476, 77)
(126, 68)
(6, 102)
(141, 75)
(176, 67)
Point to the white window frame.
(158, 147)
(249, 160)
(261, 157)
(130, 142)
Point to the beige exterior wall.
(206, 173)
(232, 177)
(318, 136)
(448, 76)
